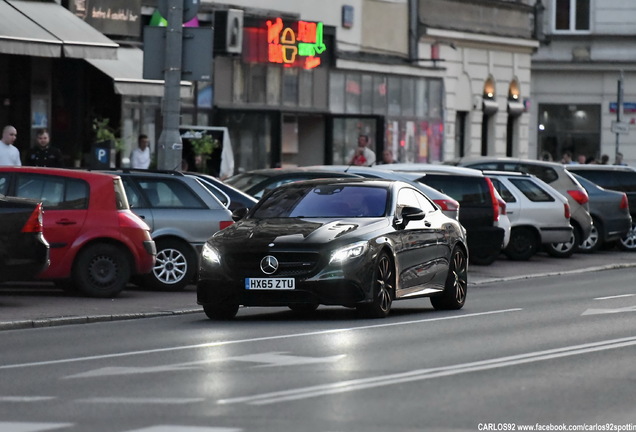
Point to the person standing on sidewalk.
(43, 154)
(140, 157)
(9, 154)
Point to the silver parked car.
(182, 214)
(556, 176)
(538, 213)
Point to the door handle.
(65, 222)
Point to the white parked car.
(538, 213)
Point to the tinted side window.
(57, 193)
(547, 174)
(532, 190)
(169, 193)
(503, 190)
(626, 180)
(466, 190)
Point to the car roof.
(353, 181)
(503, 159)
(273, 172)
(436, 169)
(65, 172)
(506, 173)
(598, 167)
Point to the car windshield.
(245, 181)
(324, 201)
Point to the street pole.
(619, 110)
(170, 144)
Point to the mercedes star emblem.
(269, 265)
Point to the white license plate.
(270, 283)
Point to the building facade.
(296, 82)
(587, 56)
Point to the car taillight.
(447, 204)
(34, 223)
(566, 210)
(225, 224)
(579, 196)
(624, 202)
(502, 206)
(493, 198)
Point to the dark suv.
(614, 177)
(478, 205)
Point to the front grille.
(290, 264)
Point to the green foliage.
(202, 143)
(104, 132)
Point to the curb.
(555, 273)
(59, 321)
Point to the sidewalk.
(28, 305)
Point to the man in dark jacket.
(43, 154)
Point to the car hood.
(253, 232)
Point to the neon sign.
(288, 47)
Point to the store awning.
(127, 74)
(49, 30)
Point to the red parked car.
(96, 242)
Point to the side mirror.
(239, 213)
(412, 213)
(408, 214)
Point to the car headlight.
(348, 252)
(210, 254)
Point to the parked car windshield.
(324, 201)
(245, 180)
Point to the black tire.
(628, 242)
(174, 268)
(101, 270)
(523, 244)
(383, 289)
(304, 307)
(221, 311)
(594, 241)
(456, 286)
(565, 250)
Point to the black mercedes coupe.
(359, 243)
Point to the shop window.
(379, 94)
(408, 97)
(336, 92)
(290, 86)
(395, 96)
(435, 98)
(572, 15)
(306, 88)
(256, 77)
(366, 99)
(569, 127)
(273, 85)
(353, 91)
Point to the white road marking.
(176, 428)
(424, 374)
(242, 341)
(132, 400)
(614, 296)
(31, 427)
(24, 399)
(269, 359)
(609, 311)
